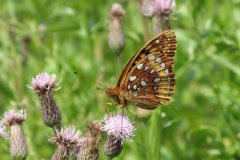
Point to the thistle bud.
(50, 112)
(112, 147)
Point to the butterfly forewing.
(148, 81)
(165, 42)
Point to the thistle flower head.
(44, 83)
(3, 132)
(11, 118)
(116, 11)
(66, 140)
(67, 136)
(118, 126)
(116, 38)
(18, 145)
(162, 8)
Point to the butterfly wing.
(148, 78)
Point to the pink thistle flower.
(66, 139)
(11, 117)
(118, 126)
(44, 83)
(116, 11)
(116, 38)
(163, 8)
(18, 145)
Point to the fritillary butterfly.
(148, 81)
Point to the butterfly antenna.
(90, 80)
(101, 88)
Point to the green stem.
(155, 134)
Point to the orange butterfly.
(148, 81)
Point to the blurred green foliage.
(60, 37)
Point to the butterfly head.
(112, 92)
(116, 94)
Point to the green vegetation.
(60, 37)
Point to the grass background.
(201, 122)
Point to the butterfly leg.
(122, 109)
(122, 112)
(109, 104)
(131, 111)
(135, 115)
(106, 108)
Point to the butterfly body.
(118, 96)
(148, 79)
